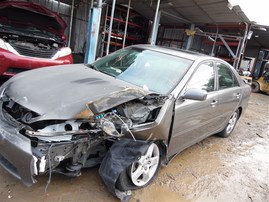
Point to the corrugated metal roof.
(194, 11)
(198, 12)
(259, 37)
(204, 12)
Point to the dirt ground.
(216, 169)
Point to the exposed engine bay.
(66, 146)
(31, 41)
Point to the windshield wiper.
(103, 71)
(93, 67)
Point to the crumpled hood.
(61, 92)
(31, 14)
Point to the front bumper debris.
(15, 153)
(120, 156)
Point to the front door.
(195, 120)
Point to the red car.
(31, 36)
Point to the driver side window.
(203, 78)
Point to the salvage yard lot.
(216, 169)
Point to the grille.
(26, 51)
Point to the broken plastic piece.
(109, 128)
(120, 156)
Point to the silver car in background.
(130, 111)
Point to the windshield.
(148, 69)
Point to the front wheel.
(141, 172)
(230, 125)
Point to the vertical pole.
(214, 44)
(237, 52)
(126, 24)
(242, 48)
(71, 23)
(93, 33)
(190, 38)
(110, 27)
(58, 7)
(104, 32)
(155, 24)
(155, 32)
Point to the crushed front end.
(32, 146)
(62, 146)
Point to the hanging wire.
(125, 124)
(50, 170)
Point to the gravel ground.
(216, 169)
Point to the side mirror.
(195, 94)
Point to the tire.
(142, 172)
(230, 125)
(255, 87)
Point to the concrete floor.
(232, 169)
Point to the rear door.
(229, 92)
(194, 120)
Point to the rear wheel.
(141, 172)
(255, 87)
(230, 126)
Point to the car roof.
(173, 51)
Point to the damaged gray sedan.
(130, 111)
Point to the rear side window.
(227, 78)
(203, 78)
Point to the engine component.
(109, 128)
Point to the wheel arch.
(240, 109)
(163, 149)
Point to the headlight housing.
(3, 44)
(2, 92)
(62, 52)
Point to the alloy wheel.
(143, 170)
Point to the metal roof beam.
(227, 46)
(174, 16)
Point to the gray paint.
(67, 93)
(61, 92)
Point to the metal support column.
(58, 7)
(155, 27)
(110, 27)
(190, 38)
(216, 38)
(236, 61)
(71, 23)
(104, 33)
(126, 24)
(243, 47)
(93, 32)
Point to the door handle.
(237, 95)
(213, 103)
